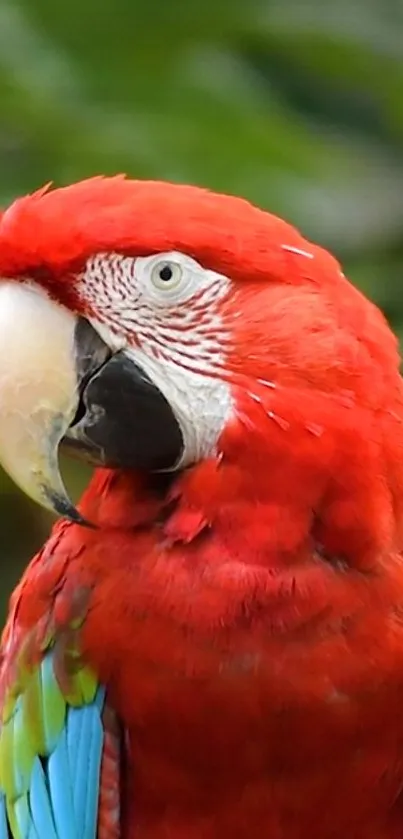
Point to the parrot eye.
(166, 275)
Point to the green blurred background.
(296, 105)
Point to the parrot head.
(167, 329)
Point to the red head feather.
(58, 229)
(49, 235)
(293, 317)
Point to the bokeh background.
(295, 104)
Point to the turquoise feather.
(4, 833)
(50, 756)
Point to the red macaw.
(211, 645)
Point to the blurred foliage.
(296, 105)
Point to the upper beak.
(60, 383)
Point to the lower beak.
(60, 384)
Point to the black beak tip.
(63, 507)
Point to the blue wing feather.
(67, 790)
(91, 769)
(60, 790)
(59, 797)
(4, 834)
(40, 803)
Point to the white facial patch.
(164, 312)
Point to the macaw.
(210, 645)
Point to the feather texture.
(54, 727)
(246, 619)
(50, 758)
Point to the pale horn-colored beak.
(60, 383)
(38, 391)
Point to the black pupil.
(166, 273)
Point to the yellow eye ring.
(166, 275)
